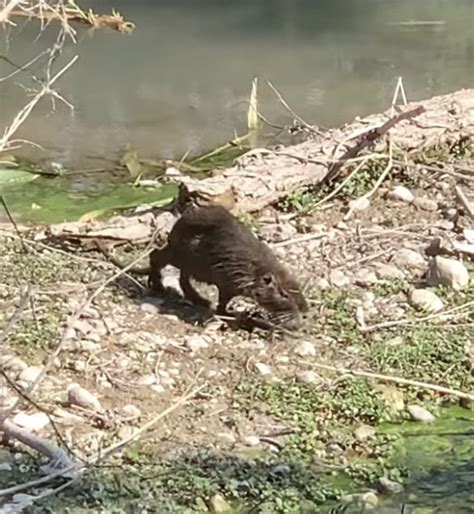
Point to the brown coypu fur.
(210, 245)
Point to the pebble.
(425, 300)
(420, 414)
(131, 411)
(33, 422)
(306, 349)
(389, 272)
(263, 369)
(426, 204)
(149, 308)
(126, 431)
(364, 432)
(401, 194)
(158, 388)
(447, 272)
(79, 396)
(387, 486)
(195, 342)
(338, 278)
(323, 283)
(365, 277)
(219, 505)
(308, 377)
(251, 440)
(83, 326)
(30, 374)
(408, 259)
(88, 346)
(14, 365)
(147, 380)
(5, 466)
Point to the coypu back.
(211, 245)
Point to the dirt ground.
(138, 354)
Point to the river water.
(181, 82)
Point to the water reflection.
(181, 81)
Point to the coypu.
(210, 245)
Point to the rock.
(83, 326)
(158, 388)
(305, 349)
(369, 500)
(126, 431)
(263, 369)
(426, 204)
(425, 300)
(389, 272)
(219, 505)
(32, 422)
(387, 486)
(149, 308)
(12, 363)
(88, 346)
(251, 440)
(368, 297)
(359, 204)
(79, 366)
(79, 396)
(196, 342)
(281, 469)
(401, 194)
(338, 278)
(408, 259)
(5, 466)
(364, 432)
(30, 374)
(420, 414)
(335, 449)
(323, 283)
(308, 377)
(131, 411)
(447, 272)
(147, 380)
(365, 277)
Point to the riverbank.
(270, 424)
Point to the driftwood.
(262, 177)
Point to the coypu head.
(279, 293)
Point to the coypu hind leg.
(189, 292)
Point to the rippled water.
(181, 81)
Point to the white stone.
(131, 411)
(33, 422)
(426, 204)
(251, 440)
(401, 194)
(406, 258)
(195, 342)
(147, 380)
(79, 396)
(263, 369)
(306, 349)
(448, 272)
(425, 300)
(308, 377)
(421, 414)
(338, 278)
(30, 374)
